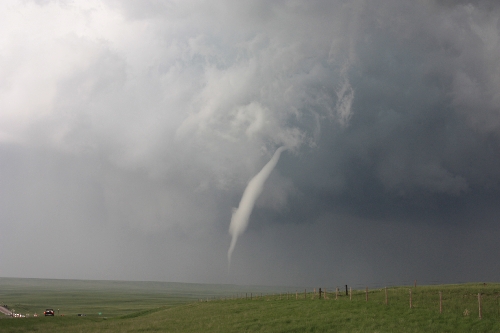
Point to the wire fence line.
(467, 301)
(478, 300)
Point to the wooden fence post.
(410, 299)
(479, 301)
(440, 302)
(367, 294)
(337, 293)
(386, 296)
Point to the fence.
(478, 300)
(468, 301)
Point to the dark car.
(48, 312)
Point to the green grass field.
(110, 298)
(163, 307)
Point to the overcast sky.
(129, 130)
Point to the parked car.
(48, 312)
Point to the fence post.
(337, 293)
(350, 293)
(410, 299)
(386, 296)
(440, 302)
(367, 294)
(479, 301)
(415, 283)
(346, 290)
(296, 295)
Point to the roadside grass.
(278, 314)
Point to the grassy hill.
(291, 313)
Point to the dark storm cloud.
(414, 141)
(134, 128)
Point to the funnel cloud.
(130, 129)
(241, 215)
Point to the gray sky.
(129, 130)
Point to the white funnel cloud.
(241, 215)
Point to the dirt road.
(5, 311)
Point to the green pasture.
(141, 309)
(109, 298)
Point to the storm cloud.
(129, 130)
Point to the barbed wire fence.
(477, 300)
